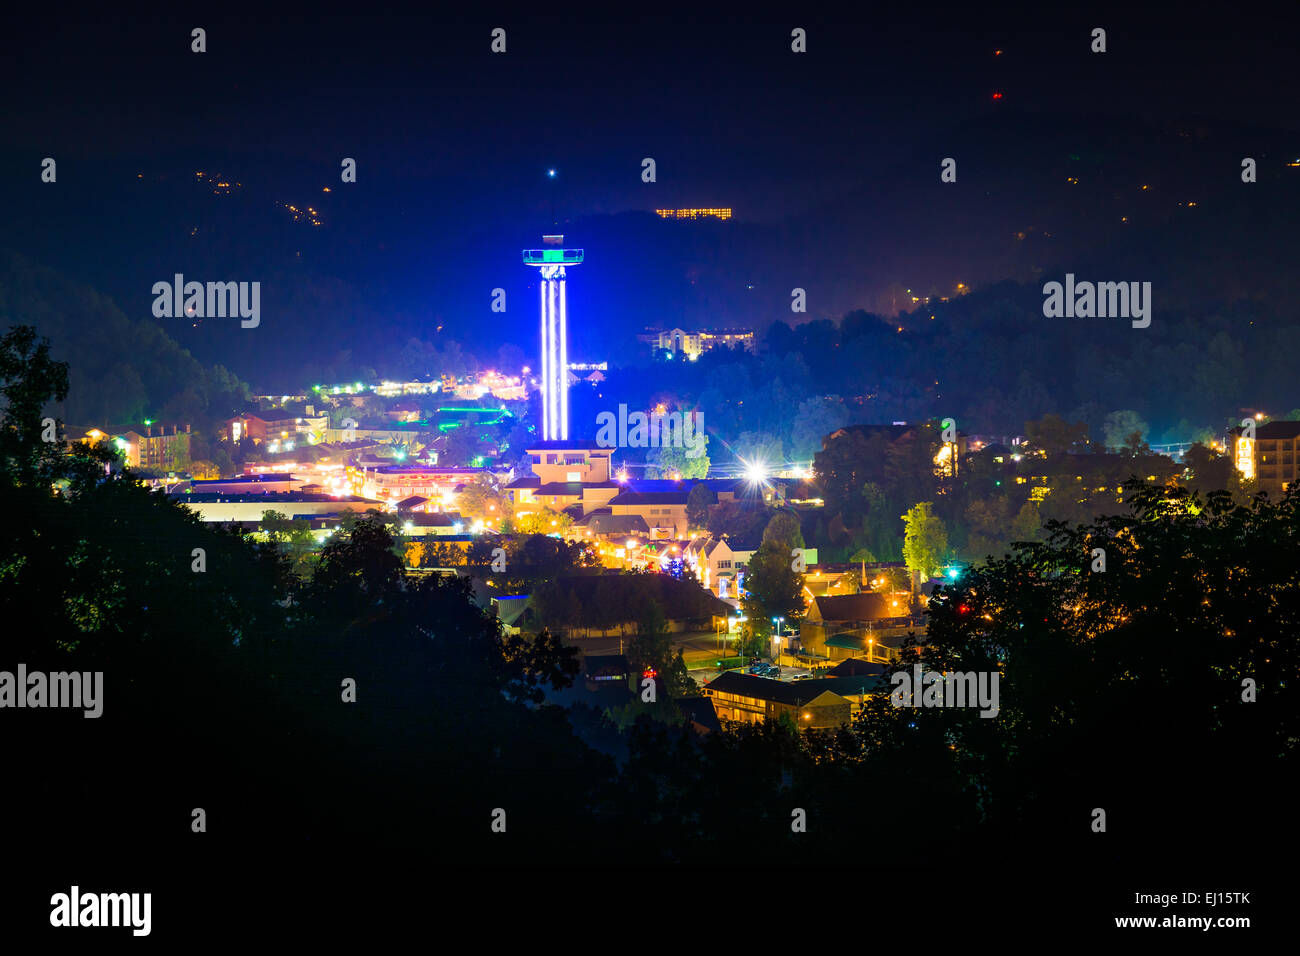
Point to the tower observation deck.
(551, 260)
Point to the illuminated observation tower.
(555, 333)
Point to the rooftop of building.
(274, 497)
(857, 667)
(864, 606)
(285, 412)
(699, 711)
(418, 469)
(602, 522)
(260, 484)
(892, 432)
(434, 520)
(573, 488)
(643, 485)
(1274, 430)
(650, 498)
(793, 693)
(140, 428)
(568, 444)
(677, 328)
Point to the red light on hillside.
(997, 94)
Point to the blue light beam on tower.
(555, 333)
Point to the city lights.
(500, 577)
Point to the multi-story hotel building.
(1270, 457)
(152, 446)
(565, 473)
(695, 344)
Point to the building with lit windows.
(566, 475)
(148, 446)
(811, 704)
(223, 508)
(714, 564)
(302, 423)
(396, 482)
(664, 512)
(695, 344)
(870, 624)
(689, 214)
(1271, 458)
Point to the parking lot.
(704, 675)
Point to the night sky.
(453, 144)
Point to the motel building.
(746, 698)
(393, 483)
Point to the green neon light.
(448, 426)
(559, 256)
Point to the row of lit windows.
(738, 699)
(693, 213)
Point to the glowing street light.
(756, 472)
